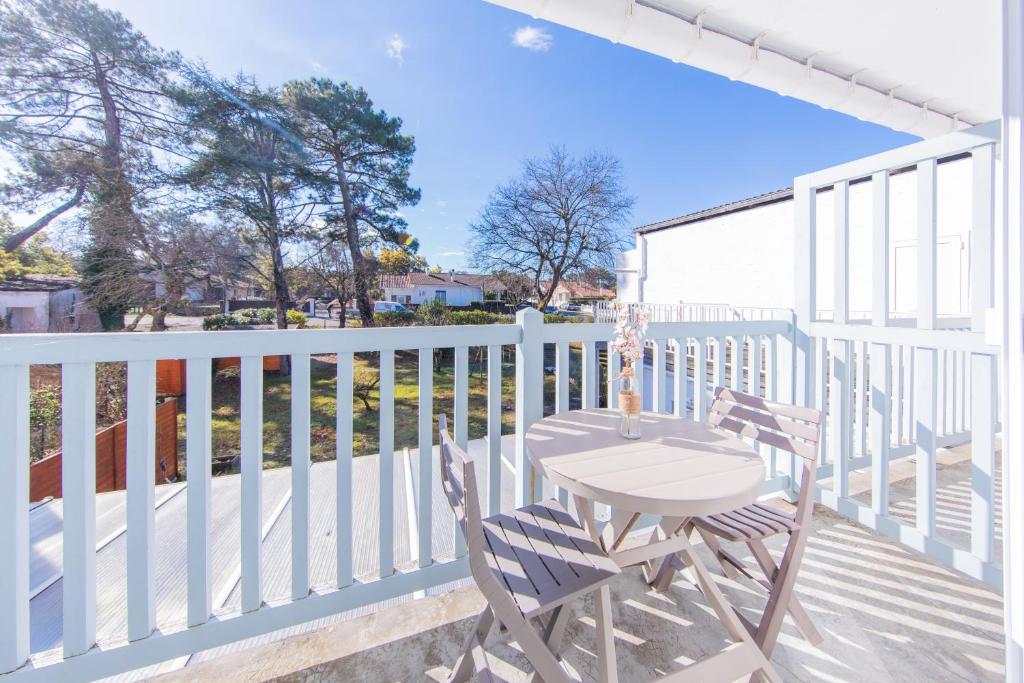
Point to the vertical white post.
(860, 392)
(1012, 354)
(387, 462)
(822, 367)
(614, 367)
(681, 372)
(881, 415)
(589, 378)
(754, 366)
(926, 244)
(805, 268)
(925, 418)
(426, 456)
(720, 353)
(561, 377)
(461, 425)
(529, 398)
(252, 482)
(300, 474)
(658, 376)
(736, 362)
(198, 446)
(140, 480)
(840, 416)
(983, 455)
(343, 475)
(78, 482)
(14, 523)
(982, 235)
(880, 249)
(494, 425)
(700, 381)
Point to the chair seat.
(749, 523)
(543, 557)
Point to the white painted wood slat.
(589, 375)
(926, 244)
(658, 376)
(680, 378)
(78, 481)
(925, 414)
(387, 463)
(880, 425)
(494, 465)
(700, 373)
(198, 445)
(140, 480)
(614, 368)
(840, 415)
(424, 504)
(343, 474)
(14, 520)
(252, 482)
(561, 378)
(983, 455)
(300, 424)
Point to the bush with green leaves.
(556, 318)
(255, 316)
(297, 319)
(218, 321)
(394, 318)
(432, 313)
(476, 318)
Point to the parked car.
(389, 306)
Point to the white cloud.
(535, 38)
(396, 48)
(453, 253)
(317, 66)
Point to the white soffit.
(919, 66)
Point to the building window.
(441, 295)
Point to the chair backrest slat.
(793, 429)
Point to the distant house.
(575, 291)
(455, 289)
(46, 303)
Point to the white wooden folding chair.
(791, 429)
(528, 563)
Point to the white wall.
(455, 295)
(31, 310)
(746, 258)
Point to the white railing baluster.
(700, 381)
(860, 393)
(681, 378)
(140, 481)
(343, 465)
(771, 390)
(658, 376)
(198, 440)
(424, 507)
(881, 416)
(840, 415)
(387, 462)
(720, 356)
(300, 475)
(925, 414)
(589, 375)
(461, 423)
(78, 482)
(561, 377)
(252, 482)
(614, 367)
(823, 372)
(754, 366)
(14, 522)
(983, 455)
(736, 362)
(494, 426)
(529, 399)
(926, 244)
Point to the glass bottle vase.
(629, 405)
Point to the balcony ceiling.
(920, 66)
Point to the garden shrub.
(394, 318)
(556, 318)
(476, 318)
(218, 321)
(297, 318)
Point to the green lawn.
(277, 404)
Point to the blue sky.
(482, 87)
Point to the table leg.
(607, 668)
(586, 514)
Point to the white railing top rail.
(582, 332)
(693, 311)
(908, 155)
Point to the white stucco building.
(45, 303)
(455, 289)
(746, 250)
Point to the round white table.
(676, 470)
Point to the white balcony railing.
(200, 623)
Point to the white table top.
(678, 468)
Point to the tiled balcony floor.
(886, 614)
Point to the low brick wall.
(111, 444)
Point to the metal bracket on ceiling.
(698, 22)
(755, 47)
(630, 9)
